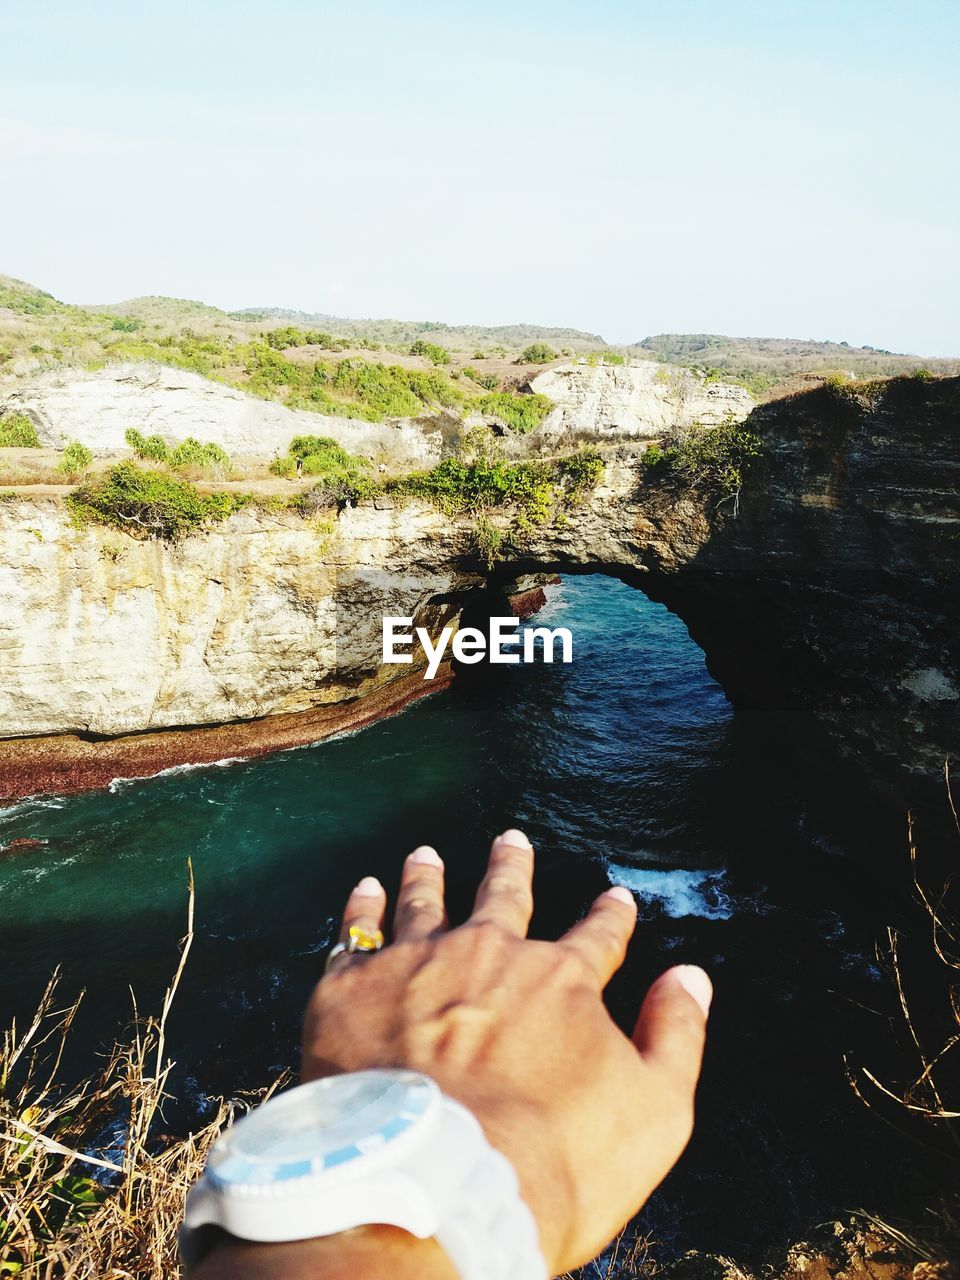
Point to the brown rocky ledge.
(65, 763)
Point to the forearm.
(366, 1253)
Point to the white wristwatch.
(368, 1147)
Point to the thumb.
(672, 1025)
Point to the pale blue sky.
(777, 168)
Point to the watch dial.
(320, 1125)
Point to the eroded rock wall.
(831, 598)
(264, 614)
(630, 402)
(99, 406)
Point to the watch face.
(319, 1126)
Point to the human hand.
(517, 1031)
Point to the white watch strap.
(486, 1228)
(441, 1179)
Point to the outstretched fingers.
(505, 896)
(420, 910)
(601, 938)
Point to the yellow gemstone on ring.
(362, 940)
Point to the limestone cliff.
(597, 403)
(831, 599)
(634, 401)
(267, 613)
(98, 407)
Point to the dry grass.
(926, 1103)
(88, 1188)
(32, 475)
(627, 1257)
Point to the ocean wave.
(118, 784)
(30, 805)
(557, 602)
(26, 876)
(678, 893)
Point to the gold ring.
(363, 940)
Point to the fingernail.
(696, 983)
(514, 838)
(426, 854)
(621, 894)
(369, 887)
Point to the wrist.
(548, 1185)
(363, 1253)
(366, 1149)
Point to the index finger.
(601, 938)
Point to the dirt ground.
(249, 474)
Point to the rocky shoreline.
(67, 763)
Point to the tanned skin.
(516, 1030)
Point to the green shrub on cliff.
(537, 353)
(489, 381)
(198, 453)
(152, 447)
(579, 472)
(188, 453)
(520, 413)
(149, 504)
(75, 460)
(532, 491)
(430, 351)
(350, 388)
(18, 432)
(711, 459)
(344, 475)
(458, 486)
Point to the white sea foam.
(679, 893)
(117, 784)
(557, 602)
(29, 805)
(30, 875)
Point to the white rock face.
(259, 615)
(97, 408)
(263, 614)
(634, 401)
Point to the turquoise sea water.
(627, 767)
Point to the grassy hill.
(457, 337)
(328, 371)
(763, 363)
(383, 368)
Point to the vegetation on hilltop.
(296, 366)
(520, 413)
(431, 351)
(461, 337)
(296, 357)
(537, 353)
(762, 363)
(152, 503)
